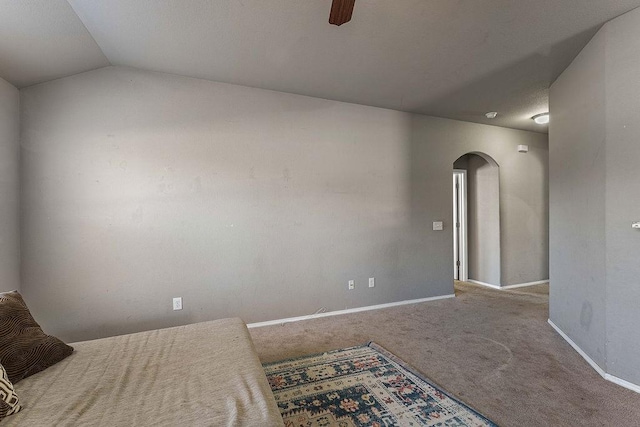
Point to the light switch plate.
(438, 226)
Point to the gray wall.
(462, 162)
(138, 187)
(595, 285)
(521, 254)
(438, 143)
(577, 200)
(524, 214)
(9, 187)
(623, 196)
(483, 199)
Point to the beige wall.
(9, 187)
(142, 186)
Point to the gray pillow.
(24, 348)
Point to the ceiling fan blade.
(341, 11)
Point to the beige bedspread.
(206, 374)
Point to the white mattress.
(206, 374)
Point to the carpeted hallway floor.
(492, 349)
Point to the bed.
(205, 374)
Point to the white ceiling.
(43, 40)
(447, 58)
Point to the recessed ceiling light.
(491, 114)
(541, 119)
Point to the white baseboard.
(347, 311)
(594, 365)
(477, 282)
(518, 285)
(522, 285)
(584, 355)
(623, 383)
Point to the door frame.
(460, 242)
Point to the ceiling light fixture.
(541, 119)
(491, 114)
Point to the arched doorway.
(476, 200)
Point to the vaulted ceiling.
(449, 58)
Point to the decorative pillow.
(9, 403)
(24, 348)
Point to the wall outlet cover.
(177, 303)
(372, 282)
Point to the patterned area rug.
(362, 386)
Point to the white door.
(460, 270)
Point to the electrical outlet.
(352, 285)
(372, 282)
(177, 303)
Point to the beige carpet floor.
(492, 349)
